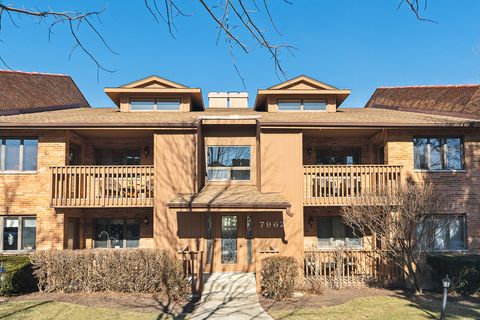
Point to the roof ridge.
(34, 73)
(467, 85)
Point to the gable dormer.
(156, 94)
(300, 94)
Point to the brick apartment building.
(162, 170)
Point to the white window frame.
(302, 102)
(3, 153)
(155, 102)
(19, 235)
(228, 169)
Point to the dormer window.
(158, 104)
(302, 105)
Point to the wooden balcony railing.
(102, 186)
(333, 185)
(349, 268)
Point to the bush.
(126, 270)
(313, 285)
(278, 277)
(19, 278)
(464, 270)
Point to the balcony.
(337, 185)
(102, 186)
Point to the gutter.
(312, 125)
(232, 117)
(254, 206)
(97, 125)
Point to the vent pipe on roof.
(237, 100)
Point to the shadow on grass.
(458, 307)
(165, 307)
(429, 303)
(168, 308)
(24, 309)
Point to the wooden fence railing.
(192, 262)
(102, 186)
(343, 184)
(349, 268)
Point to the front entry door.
(232, 243)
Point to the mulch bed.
(330, 297)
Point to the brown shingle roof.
(103, 117)
(30, 92)
(456, 100)
(232, 196)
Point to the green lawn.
(380, 308)
(43, 310)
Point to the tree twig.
(73, 20)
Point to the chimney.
(234, 100)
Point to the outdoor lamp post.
(3, 276)
(446, 285)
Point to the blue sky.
(352, 44)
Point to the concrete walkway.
(229, 295)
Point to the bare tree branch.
(73, 21)
(403, 222)
(245, 21)
(223, 27)
(414, 6)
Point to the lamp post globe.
(446, 282)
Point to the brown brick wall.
(460, 189)
(29, 193)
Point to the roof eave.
(368, 125)
(193, 125)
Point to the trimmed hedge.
(19, 278)
(464, 270)
(279, 276)
(125, 270)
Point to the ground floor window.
(443, 232)
(332, 232)
(116, 233)
(18, 233)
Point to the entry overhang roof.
(231, 196)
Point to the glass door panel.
(229, 230)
